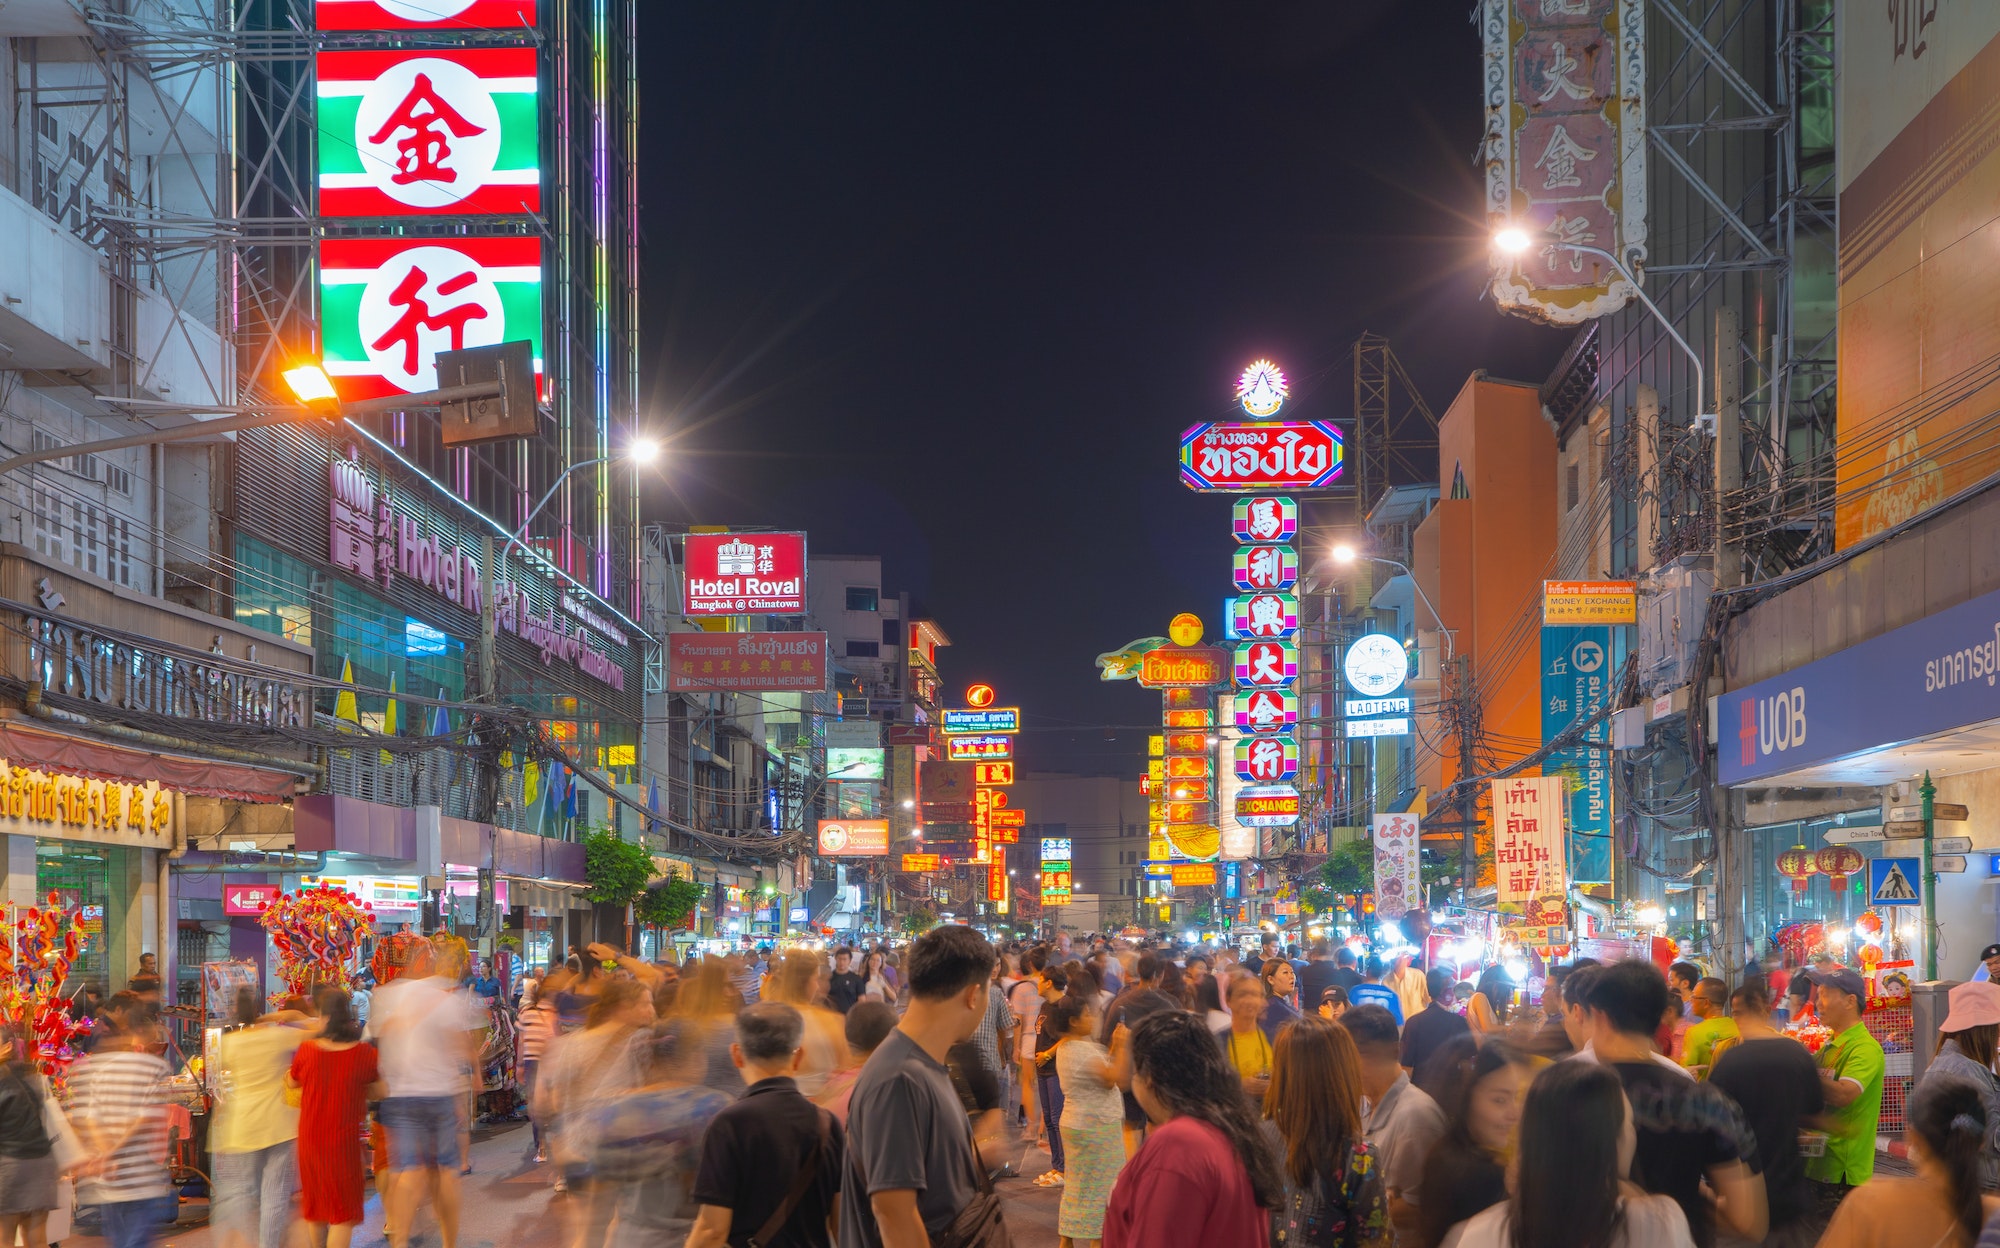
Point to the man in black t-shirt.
(1318, 975)
(1124, 1013)
(1426, 1032)
(844, 987)
(1346, 969)
(1777, 1083)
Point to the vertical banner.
(996, 876)
(1528, 851)
(1398, 871)
(1565, 150)
(1576, 683)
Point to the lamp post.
(1347, 555)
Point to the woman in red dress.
(336, 1077)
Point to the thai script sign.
(738, 573)
(1590, 602)
(1186, 667)
(1240, 458)
(922, 862)
(1529, 860)
(82, 808)
(853, 838)
(1565, 150)
(1398, 868)
(389, 305)
(963, 722)
(78, 663)
(746, 662)
(454, 16)
(1576, 684)
(972, 749)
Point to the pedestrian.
(1571, 1190)
(865, 1027)
(1206, 1177)
(334, 1075)
(875, 985)
(427, 1036)
(914, 1173)
(1851, 1067)
(1709, 1008)
(1372, 991)
(1411, 986)
(705, 1020)
(1775, 1082)
(1048, 1082)
(1335, 1196)
(1092, 1125)
(1941, 1207)
(601, 1063)
(795, 980)
(1683, 977)
(253, 1129)
(1332, 1002)
(1551, 1038)
(1208, 1004)
(1481, 1088)
(1689, 1133)
(746, 975)
(1245, 1044)
(644, 1144)
(1426, 1031)
(1965, 1050)
(1486, 1010)
(117, 1105)
(1400, 1120)
(1345, 968)
(771, 1162)
(1144, 998)
(539, 1026)
(843, 987)
(995, 1034)
(28, 1170)
(1280, 981)
(1320, 972)
(1267, 948)
(1024, 1002)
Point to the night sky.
(944, 282)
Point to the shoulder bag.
(808, 1172)
(980, 1223)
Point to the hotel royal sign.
(81, 808)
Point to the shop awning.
(100, 760)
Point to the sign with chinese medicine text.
(1192, 874)
(1398, 868)
(455, 16)
(435, 131)
(1529, 855)
(389, 305)
(746, 662)
(745, 573)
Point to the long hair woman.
(1965, 1050)
(1945, 1128)
(1334, 1192)
(1205, 1174)
(798, 979)
(1570, 1189)
(1480, 1088)
(1487, 1011)
(335, 1076)
(704, 1020)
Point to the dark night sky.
(945, 282)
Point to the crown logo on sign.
(738, 558)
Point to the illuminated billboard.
(389, 305)
(853, 838)
(853, 764)
(1234, 458)
(975, 749)
(446, 15)
(440, 131)
(739, 573)
(964, 722)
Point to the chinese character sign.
(389, 305)
(1577, 670)
(1529, 858)
(454, 16)
(1398, 869)
(1565, 150)
(1266, 567)
(1265, 518)
(746, 662)
(744, 573)
(445, 131)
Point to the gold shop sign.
(78, 808)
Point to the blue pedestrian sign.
(1895, 881)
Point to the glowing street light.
(310, 384)
(1346, 556)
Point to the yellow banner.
(1590, 602)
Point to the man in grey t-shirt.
(909, 1144)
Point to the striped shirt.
(111, 1094)
(538, 1029)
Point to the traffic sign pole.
(1929, 792)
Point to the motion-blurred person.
(539, 1027)
(1208, 1004)
(1334, 1192)
(1570, 1189)
(588, 1067)
(1487, 1010)
(1145, 997)
(117, 1105)
(1401, 1122)
(1481, 1089)
(866, 1026)
(705, 1018)
(28, 1171)
(771, 1162)
(795, 980)
(254, 1129)
(1206, 1177)
(1426, 1031)
(645, 1143)
(1945, 1131)
(1774, 1081)
(1092, 1123)
(427, 1034)
(1245, 1045)
(335, 1076)
(1412, 989)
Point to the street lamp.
(1512, 240)
(1346, 555)
(641, 452)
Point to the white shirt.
(419, 1025)
(1650, 1221)
(1588, 1053)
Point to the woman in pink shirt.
(1206, 1176)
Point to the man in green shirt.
(1710, 1004)
(1850, 1069)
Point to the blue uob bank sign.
(1928, 677)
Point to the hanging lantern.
(1869, 924)
(1796, 864)
(1839, 862)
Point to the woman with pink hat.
(1966, 1050)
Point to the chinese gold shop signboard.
(78, 808)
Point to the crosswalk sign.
(1895, 881)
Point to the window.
(864, 650)
(1572, 487)
(892, 632)
(118, 479)
(859, 599)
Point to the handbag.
(980, 1224)
(808, 1172)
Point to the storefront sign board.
(735, 573)
(34, 802)
(1528, 848)
(853, 838)
(746, 662)
(1241, 458)
(1577, 669)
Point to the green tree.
(1350, 868)
(919, 921)
(616, 869)
(668, 904)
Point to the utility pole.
(1468, 800)
(1928, 792)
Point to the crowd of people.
(867, 1097)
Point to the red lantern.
(1869, 924)
(1839, 861)
(1796, 864)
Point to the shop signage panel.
(249, 899)
(1272, 614)
(1189, 790)
(1235, 457)
(1056, 848)
(389, 305)
(1266, 664)
(1262, 710)
(1192, 875)
(853, 838)
(1183, 667)
(1590, 602)
(1011, 818)
(1378, 727)
(1576, 685)
(947, 782)
(1265, 567)
(1265, 519)
(996, 877)
(34, 802)
(1376, 665)
(1184, 699)
(1267, 759)
(1202, 717)
(844, 764)
(947, 812)
(1895, 881)
(912, 734)
(1187, 767)
(966, 721)
(918, 863)
(435, 131)
(738, 573)
(972, 749)
(112, 672)
(993, 773)
(1267, 806)
(1915, 681)
(1398, 866)
(1187, 744)
(1358, 708)
(748, 663)
(1528, 847)
(453, 16)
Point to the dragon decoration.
(316, 932)
(37, 950)
(1123, 663)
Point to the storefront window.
(80, 873)
(1776, 904)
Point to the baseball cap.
(1840, 979)
(1973, 1005)
(1990, 951)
